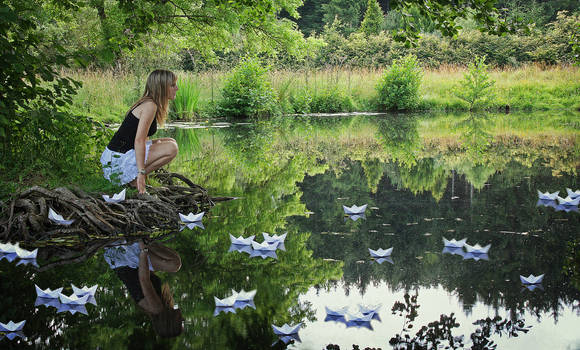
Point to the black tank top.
(124, 138)
(130, 278)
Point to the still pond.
(423, 177)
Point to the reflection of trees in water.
(400, 138)
(493, 216)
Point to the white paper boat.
(79, 292)
(354, 210)
(117, 197)
(9, 247)
(47, 293)
(531, 279)
(58, 219)
(573, 194)
(274, 238)
(477, 249)
(336, 312)
(548, 195)
(243, 295)
(225, 302)
(568, 201)
(368, 309)
(26, 254)
(11, 326)
(359, 317)
(286, 329)
(241, 240)
(73, 299)
(264, 246)
(381, 253)
(454, 243)
(191, 217)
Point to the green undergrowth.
(106, 97)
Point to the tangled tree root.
(25, 217)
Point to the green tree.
(373, 20)
(476, 85)
(348, 12)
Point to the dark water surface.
(423, 178)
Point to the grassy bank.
(106, 96)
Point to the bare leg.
(164, 258)
(161, 152)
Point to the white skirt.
(121, 168)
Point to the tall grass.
(107, 96)
(187, 103)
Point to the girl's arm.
(152, 302)
(145, 113)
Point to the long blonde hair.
(156, 90)
(167, 323)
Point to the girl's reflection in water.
(134, 264)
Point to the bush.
(398, 88)
(186, 104)
(331, 100)
(247, 93)
(301, 101)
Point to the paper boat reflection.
(533, 287)
(477, 249)
(454, 243)
(13, 335)
(73, 299)
(546, 203)
(548, 195)
(288, 338)
(27, 262)
(567, 208)
(240, 248)
(573, 194)
(354, 217)
(241, 240)
(354, 210)
(336, 312)
(263, 254)
(475, 256)
(531, 279)
(84, 290)
(192, 225)
(227, 309)
(72, 308)
(382, 260)
(117, 197)
(8, 256)
(453, 251)
(335, 318)
(48, 302)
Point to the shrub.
(331, 100)
(476, 86)
(301, 101)
(247, 93)
(398, 88)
